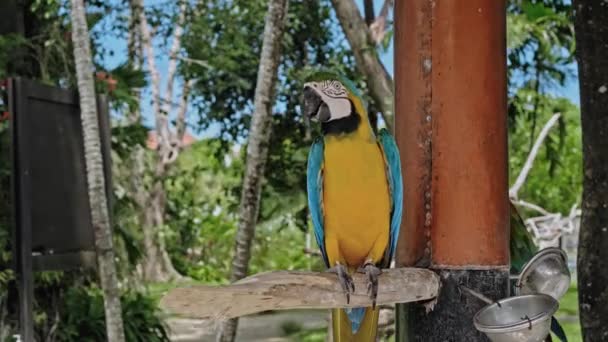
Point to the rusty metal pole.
(451, 128)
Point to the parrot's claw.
(372, 272)
(346, 281)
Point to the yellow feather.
(356, 208)
(342, 331)
(355, 199)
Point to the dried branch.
(180, 121)
(385, 8)
(379, 82)
(199, 62)
(368, 11)
(547, 227)
(172, 150)
(529, 205)
(135, 54)
(378, 27)
(168, 143)
(206, 65)
(311, 251)
(297, 290)
(146, 41)
(521, 179)
(172, 67)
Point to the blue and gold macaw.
(355, 195)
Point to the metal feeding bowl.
(547, 272)
(525, 318)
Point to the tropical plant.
(82, 317)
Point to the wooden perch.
(297, 290)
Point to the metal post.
(451, 128)
(22, 241)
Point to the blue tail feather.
(355, 316)
(557, 329)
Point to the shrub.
(83, 317)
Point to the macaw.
(522, 249)
(355, 195)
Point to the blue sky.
(119, 47)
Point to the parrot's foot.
(372, 272)
(346, 281)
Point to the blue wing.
(314, 186)
(393, 169)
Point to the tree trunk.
(95, 176)
(379, 81)
(135, 54)
(370, 16)
(257, 149)
(368, 9)
(592, 55)
(157, 265)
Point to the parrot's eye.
(333, 89)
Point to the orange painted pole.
(451, 128)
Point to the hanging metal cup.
(546, 273)
(525, 318)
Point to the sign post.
(52, 227)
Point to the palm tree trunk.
(591, 51)
(95, 176)
(257, 149)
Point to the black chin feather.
(344, 125)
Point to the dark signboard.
(12, 20)
(52, 227)
(51, 204)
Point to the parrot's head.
(333, 101)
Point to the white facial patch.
(335, 95)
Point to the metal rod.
(478, 295)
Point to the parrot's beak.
(312, 102)
(314, 107)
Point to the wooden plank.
(283, 290)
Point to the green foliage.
(202, 224)
(556, 187)
(45, 55)
(47, 51)
(9, 43)
(6, 274)
(126, 138)
(202, 205)
(82, 317)
(521, 244)
(227, 62)
(291, 327)
(540, 40)
(568, 314)
(119, 83)
(316, 335)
